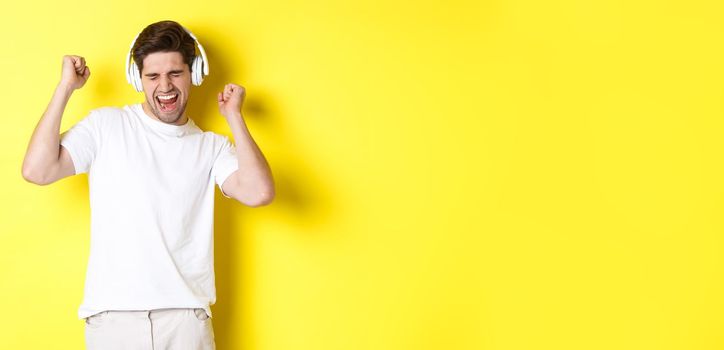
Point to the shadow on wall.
(299, 194)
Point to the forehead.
(163, 61)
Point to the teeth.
(166, 97)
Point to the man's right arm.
(45, 160)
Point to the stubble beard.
(166, 118)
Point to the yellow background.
(450, 175)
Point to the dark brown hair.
(163, 36)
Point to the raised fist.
(231, 99)
(75, 72)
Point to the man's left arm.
(252, 184)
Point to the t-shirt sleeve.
(225, 164)
(81, 141)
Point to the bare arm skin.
(252, 184)
(45, 160)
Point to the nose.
(165, 84)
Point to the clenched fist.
(231, 99)
(75, 73)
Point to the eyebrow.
(175, 71)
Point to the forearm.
(44, 146)
(254, 174)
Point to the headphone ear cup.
(136, 76)
(194, 79)
(201, 69)
(132, 72)
(197, 75)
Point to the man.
(151, 173)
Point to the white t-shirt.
(152, 209)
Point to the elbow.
(33, 177)
(265, 198)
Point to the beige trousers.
(160, 329)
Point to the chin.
(169, 118)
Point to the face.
(166, 81)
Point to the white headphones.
(133, 75)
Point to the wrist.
(64, 87)
(233, 115)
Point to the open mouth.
(167, 102)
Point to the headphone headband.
(201, 50)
